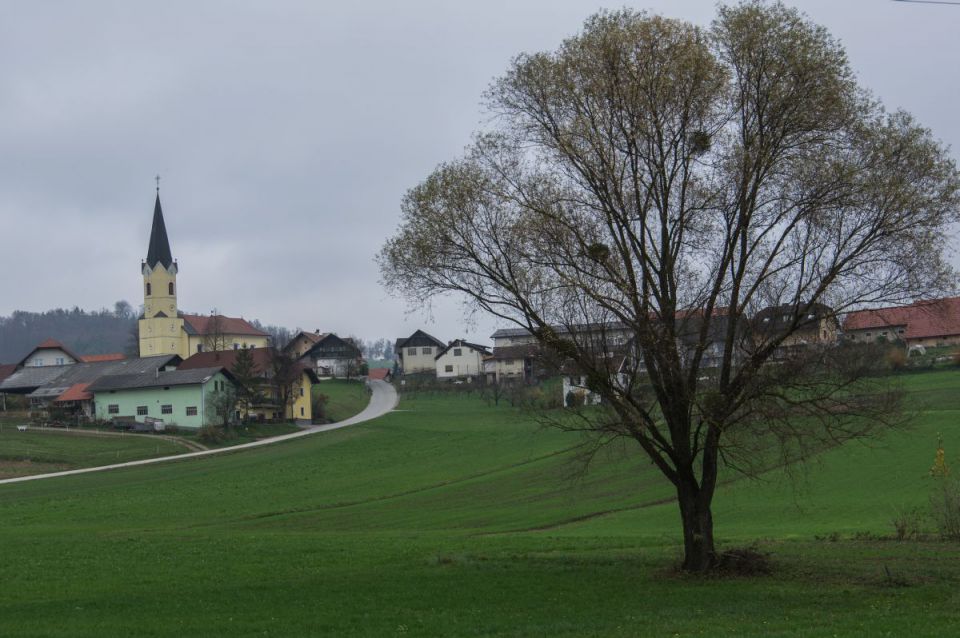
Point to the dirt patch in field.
(11, 469)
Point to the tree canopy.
(675, 181)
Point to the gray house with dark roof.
(66, 386)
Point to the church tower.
(161, 328)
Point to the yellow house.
(163, 328)
(300, 406)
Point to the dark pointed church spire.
(159, 250)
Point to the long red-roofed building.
(923, 323)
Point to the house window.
(166, 409)
(426, 350)
(141, 410)
(191, 410)
(199, 347)
(411, 351)
(301, 391)
(148, 289)
(236, 346)
(448, 369)
(113, 408)
(457, 352)
(301, 411)
(60, 361)
(170, 288)
(508, 362)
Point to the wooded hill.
(82, 331)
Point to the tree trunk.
(699, 554)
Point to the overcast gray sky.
(287, 132)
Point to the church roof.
(214, 324)
(159, 250)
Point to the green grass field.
(37, 451)
(450, 517)
(345, 398)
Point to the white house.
(461, 359)
(417, 353)
(49, 353)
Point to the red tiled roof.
(923, 319)
(76, 392)
(50, 343)
(93, 358)
(378, 373)
(227, 359)
(262, 360)
(206, 324)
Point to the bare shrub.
(945, 508)
(907, 523)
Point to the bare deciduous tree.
(672, 181)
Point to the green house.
(185, 398)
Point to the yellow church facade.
(163, 328)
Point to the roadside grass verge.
(345, 398)
(51, 450)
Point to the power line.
(956, 4)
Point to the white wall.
(468, 364)
(49, 357)
(422, 361)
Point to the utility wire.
(956, 4)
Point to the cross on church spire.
(158, 182)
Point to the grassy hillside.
(345, 398)
(38, 451)
(450, 517)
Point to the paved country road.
(383, 400)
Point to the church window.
(166, 409)
(170, 288)
(301, 411)
(301, 391)
(148, 289)
(141, 410)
